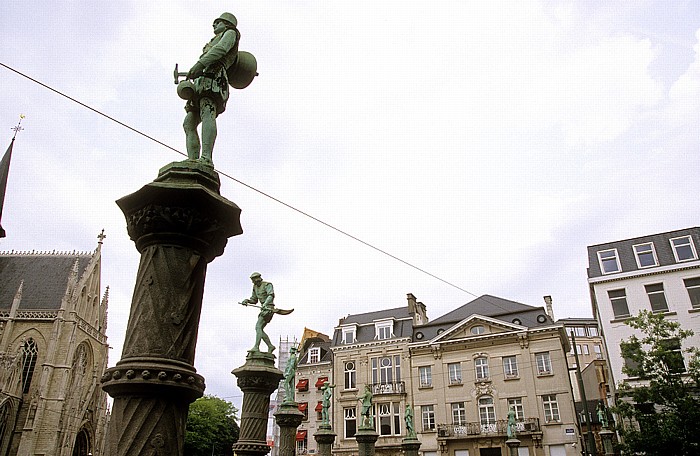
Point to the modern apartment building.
(658, 272)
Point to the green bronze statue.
(290, 371)
(408, 417)
(366, 410)
(512, 426)
(206, 87)
(264, 293)
(327, 391)
(602, 413)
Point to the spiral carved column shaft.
(179, 224)
(257, 378)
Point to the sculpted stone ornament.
(264, 293)
(206, 85)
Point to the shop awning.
(303, 406)
(303, 384)
(301, 435)
(321, 381)
(319, 406)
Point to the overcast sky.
(487, 143)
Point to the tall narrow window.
(551, 408)
(693, 288)
(645, 255)
(597, 349)
(544, 363)
(350, 418)
(454, 371)
(618, 300)
(487, 411)
(428, 415)
(683, 248)
(608, 261)
(510, 366)
(350, 375)
(426, 376)
(459, 414)
(481, 366)
(29, 355)
(657, 299)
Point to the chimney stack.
(548, 306)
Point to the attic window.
(314, 355)
(476, 330)
(419, 335)
(384, 330)
(349, 335)
(517, 321)
(541, 319)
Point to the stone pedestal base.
(366, 438)
(513, 445)
(410, 446)
(288, 418)
(257, 378)
(179, 223)
(325, 438)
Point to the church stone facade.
(53, 351)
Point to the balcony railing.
(389, 388)
(499, 428)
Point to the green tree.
(211, 427)
(661, 411)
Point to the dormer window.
(608, 261)
(684, 249)
(314, 355)
(384, 330)
(349, 335)
(645, 255)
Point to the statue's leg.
(191, 136)
(270, 347)
(208, 115)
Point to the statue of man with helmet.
(208, 91)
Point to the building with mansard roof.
(460, 374)
(659, 273)
(53, 351)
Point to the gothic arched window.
(29, 355)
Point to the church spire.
(5, 170)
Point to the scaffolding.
(274, 430)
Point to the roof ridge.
(46, 253)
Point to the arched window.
(82, 443)
(5, 411)
(487, 412)
(29, 355)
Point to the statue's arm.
(220, 49)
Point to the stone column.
(410, 446)
(257, 378)
(325, 438)
(513, 445)
(366, 438)
(288, 418)
(179, 224)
